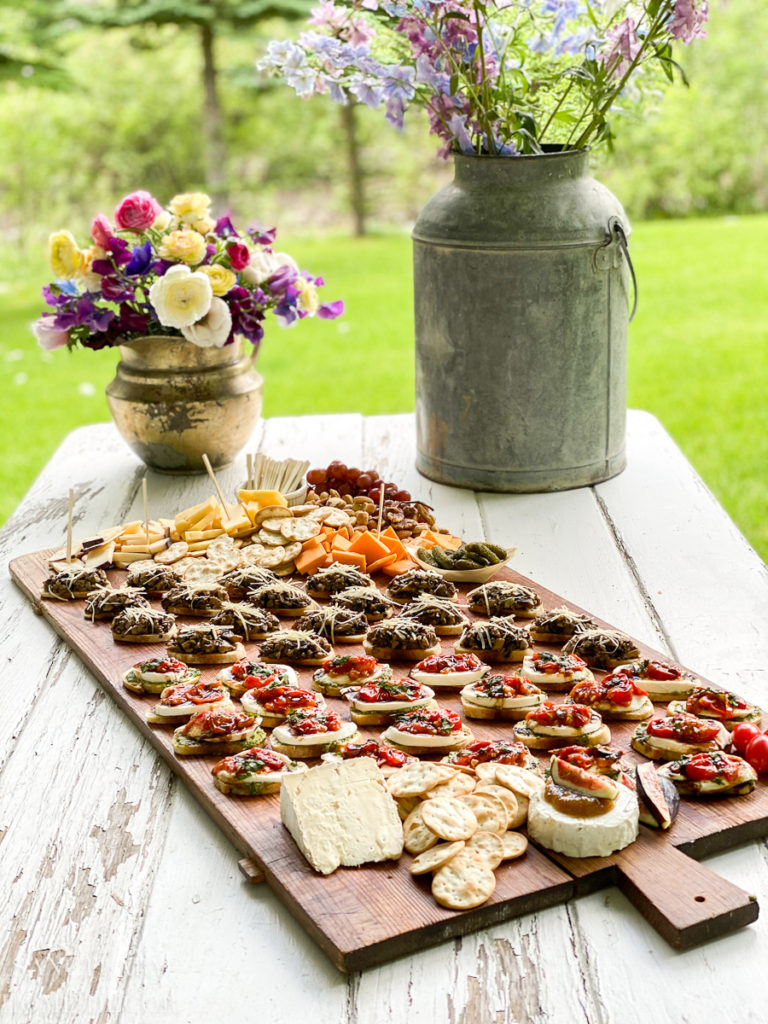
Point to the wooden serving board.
(368, 915)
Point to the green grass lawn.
(698, 354)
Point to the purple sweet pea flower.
(281, 281)
(140, 260)
(224, 227)
(262, 236)
(330, 310)
(688, 20)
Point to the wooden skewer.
(249, 479)
(381, 509)
(146, 509)
(215, 482)
(69, 524)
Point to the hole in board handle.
(700, 899)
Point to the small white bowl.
(482, 575)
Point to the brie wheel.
(282, 734)
(584, 837)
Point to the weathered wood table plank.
(122, 902)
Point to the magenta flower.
(101, 231)
(137, 211)
(239, 255)
(688, 20)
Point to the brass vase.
(173, 401)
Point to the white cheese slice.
(530, 672)
(531, 700)
(390, 706)
(584, 837)
(566, 730)
(447, 680)
(410, 739)
(282, 734)
(341, 814)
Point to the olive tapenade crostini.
(507, 697)
(142, 626)
(558, 624)
(498, 639)
(502, 597)
(106, 602)
(248, 622)
(281, 598)
(74, 584)
(302, 647)
(206, 644)
(198, 600)
(409, 585)
(441, 614)
(155, 579)
(717, 705)
(253, 772)
(239, 582)
(339, 625)
(555, 672)
(155, 674)
(367, 600)
(337, 577)
(218, 731)
(179, 702)
(602, 648)
(401, 639)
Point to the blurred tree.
(205, 17)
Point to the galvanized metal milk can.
(521, 296)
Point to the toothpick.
(381, 508)
(215, 482)
(69, 524)
(146, 508)
(249, 479)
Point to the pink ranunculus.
(137, 211)
(101, 231)
(239, 255)
(47, 335)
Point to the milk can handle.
(619, 235)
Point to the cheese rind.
(342, 814)
(584, 837)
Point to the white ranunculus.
(181, 296)
(213, 330)
(263, 264)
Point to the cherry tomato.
(757, 753)
(742, 734)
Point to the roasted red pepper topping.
(245, 669)
(307, 723)
(504, 687)
(384, 754)
(355, 666)
(256, 761)
(283, 699)
(684, 728)
(618, 688)
(574, 716)
(432, 722)
(715, 704)
(553, 664)
(220, 721)
(710, 765)
(442, 664)
(163, 665)
(660, 670)
(380, 693)
(481, 751)
(195, 693)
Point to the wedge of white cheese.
(341, 814)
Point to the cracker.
(172, 554)
(405, 804)
(202, 572)
(292, 550)
(489, 844)
(320, 513)
(416, 778)
(509, 800)
(253, 554)
(417, 837)
(299, 529)
(284, 569)
(519, 780)
(142, 563)
(464, 882)
(302, 510)
(268, 538)
(336, 517)
(515, 844)
(271, 512)
(223, 545)
(272, 524)
(486, 771)
(459, 785)
(490, 813)
(434, 858)
(449, 817)
(273, 557)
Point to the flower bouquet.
(496, 77)
(173, 272)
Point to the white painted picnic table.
(122, 902)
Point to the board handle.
(683, 900)
(251, 869)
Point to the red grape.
(364, 482)
(344, 488)
(374, 494)
(316, 476)
(336, 469)
(402, 496)
(352, 474)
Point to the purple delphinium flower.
(688, 20)
(620, 48)
(140, 260)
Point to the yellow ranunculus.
(190, 206)
(221, 278)
(85, 279)
(308, 297)
(186, 246)
(161, 221)
(66, 259)
(181, 297)
(203, 225)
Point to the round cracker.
(416, 778)
(202, 572)
(299, 529)
(173, 553)
(140, 564)
(417, 837)
(337, 517)
(486, 771)
(449, 817)
(273, 557)
(459, 785)
(489, 844)
(225, 563)
(223, 544)
(519, 780)
(272, 525)
(515, 844)
(490, 813)
(252, 554)
(268, 538)
(320, 513)
(292, 550)
(464, 882)
(271, 512)
(508, 798)
(302, 510)
(405, 804)
(436, 857)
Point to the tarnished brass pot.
(172, 401)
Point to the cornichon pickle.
(498, 550)
(442, 557)
(484, 551)
(426, 556)
(466, 563)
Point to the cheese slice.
(341, 814)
